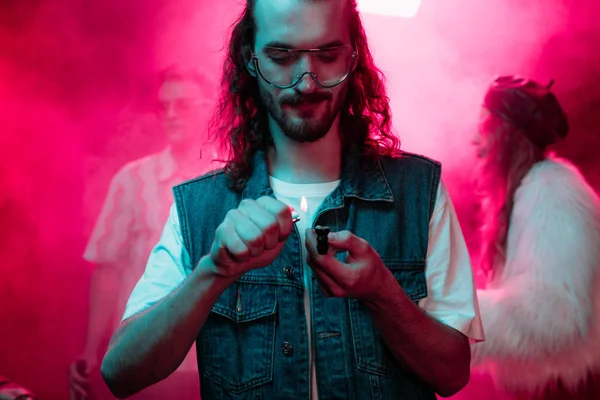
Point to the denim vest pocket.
(372, 355)
(238, 337)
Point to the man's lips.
(306, 106)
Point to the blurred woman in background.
(540, 250)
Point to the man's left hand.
(362, 276)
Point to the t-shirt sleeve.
(168, 266)
(111, 233)
(451, 298)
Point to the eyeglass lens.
(282, 67)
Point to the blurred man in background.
(130, 224)
(541, 250)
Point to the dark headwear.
(529, 106)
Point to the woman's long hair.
(240, 121)
(510, 155)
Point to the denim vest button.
(287, 348)
(289, 271)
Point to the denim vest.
(254, 344)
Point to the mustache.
(314, 97)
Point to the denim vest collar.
(368, 184)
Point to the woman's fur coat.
(541, 312)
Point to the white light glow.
(393, 8)
(303, 204)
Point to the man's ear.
(250, 65)
(355, 63)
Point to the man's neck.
(315, 162)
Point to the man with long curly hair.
(385, 313)
(541, 248)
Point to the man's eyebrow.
(282, 45)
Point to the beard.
(309, 128)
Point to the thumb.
(346, 240)
(88, 367)
(83, 366)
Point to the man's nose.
(307, 84)
(170, 111)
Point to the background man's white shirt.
(132, 219)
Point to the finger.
(89, 368)
(282, 213)
(79, 392)
(81, 384)
(77, 378)
(347, 241)
(228, 245)
(77, 395)
(250, 234)
(265, 221)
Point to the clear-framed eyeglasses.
(284, 68)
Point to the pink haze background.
(77, 80)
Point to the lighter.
(322, 243)
(295, 216)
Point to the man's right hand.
(79, 378)
(250, 237)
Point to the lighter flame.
(303, 204)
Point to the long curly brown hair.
(240, 122)
(510, 156)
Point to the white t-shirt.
(451, 296)
(291, 194)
